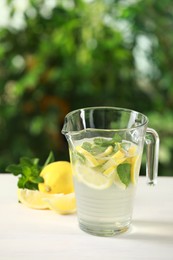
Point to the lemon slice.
(132, 150)
(93, 179)
(62, 203)
(118, 157)
(109, 171)
(88, 156)
(110, 163)
(32, 198)
(102, 157)
(135, 167)
(107, 152)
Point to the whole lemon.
(57, 178)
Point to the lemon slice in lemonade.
(118, 157)
(92, 178)
(32, 198)
(92, 161)
(62, 203)
(135, 167)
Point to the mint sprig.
(93, 149)
(100, 144)
(28, 170)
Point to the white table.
(42, 234)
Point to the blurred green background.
(59, 55)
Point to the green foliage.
(83, 53)
(28, 170)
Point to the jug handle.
(152, 155)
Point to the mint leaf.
(29, 161)
(96, 150)
(87, 146)
(123, 171)
(115, 148)
(80, 157)
(93, 148)
(103, 142)
(22, 182)
(117, 138)
(38, 179)
(26, 170)
(15, 169)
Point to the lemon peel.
(90, 158)
(109, 171)
(119, 157)
(107, 152)
(62, 203)
(32, 198)
(135, 167)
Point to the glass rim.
(120, 109)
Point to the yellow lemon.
(32, 198)
(57, 178)
(62, 203)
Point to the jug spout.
(69, 130)
(64, 130)
(74, 123)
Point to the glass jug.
(106, 146)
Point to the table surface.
(43, 234)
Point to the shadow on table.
(151, 230)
